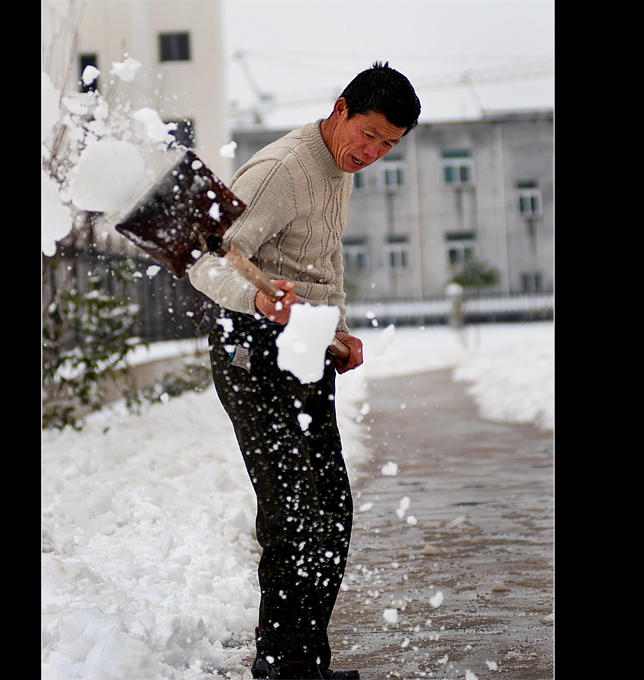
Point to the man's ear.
(341, 108)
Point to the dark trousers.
(304, 505)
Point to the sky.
(463, 56)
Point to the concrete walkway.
(475, 535)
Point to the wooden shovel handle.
(259, 279)
(252, 274)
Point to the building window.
(529, 199)
(458, 168)
(392, 174)
(461, 248)
(359, 182)
(531, 283)
(86, 60)
(397, 253)
(354, 254)
(174, 47)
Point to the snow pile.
(151, 561)
(149, 557)
(502, 382)
(510, 366)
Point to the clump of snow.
(90, 74)
(390, 616)
(107, 175)
(389, 469)
(126, 70)
(228, 150)
(403, 506)
(303, 343)
(436, 600)
(155, 129)
(95, 156)
(215, 212)
(304, 420)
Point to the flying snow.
(126, 69)
(303, 343)
(107, 175)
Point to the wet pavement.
(451, 567)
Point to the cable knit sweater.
(296, 198)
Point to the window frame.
(397, 254)
(456, 163)
(173, 49)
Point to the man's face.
(361, 140)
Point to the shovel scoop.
(186, 213)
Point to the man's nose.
(371, 151)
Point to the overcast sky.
(303, 52)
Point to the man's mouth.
(357, 161)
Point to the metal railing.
(168, 308)
(442, 310)
(171, 309)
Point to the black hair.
(385, 90)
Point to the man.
(296, 191)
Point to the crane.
(266, 102)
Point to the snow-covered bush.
(95, 158)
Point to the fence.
(441, 310)
(170, 308)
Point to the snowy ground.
(149, 559)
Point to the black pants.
(304, 505)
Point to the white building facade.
(449, 193)
(179, 45)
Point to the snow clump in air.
(93, 154)
(302, 345)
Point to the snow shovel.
(187, 212)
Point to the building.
(180, 48)
(449, 193)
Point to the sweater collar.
(319, 150)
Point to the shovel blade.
(172, 219)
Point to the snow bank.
(148, 527)
(149, 562)
(509, 367)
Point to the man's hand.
(355, 357)
(277, 310)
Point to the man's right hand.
(278, 310)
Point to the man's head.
(376, 109)
(386, 91)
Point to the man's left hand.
(355, 357)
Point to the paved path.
(481, 495)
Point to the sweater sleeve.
(338, 297)
(267, 190)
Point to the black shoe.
(294, 671)
(259, 669)
(340, 675)
(281, 670)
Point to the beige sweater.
(296, 198)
